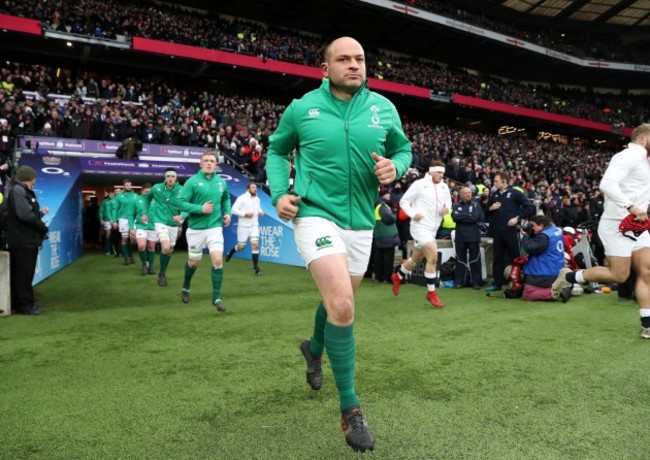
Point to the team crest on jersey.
(315, 112)
(374, 118)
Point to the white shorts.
(197, 240)
(107, 225)
(123, 226)
(422, 235)
(615, 243)
(317, 237)
(150, 235)
(244, 233)
(171, 232)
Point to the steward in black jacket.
(25, 234)
(505, 208)
(467, 214)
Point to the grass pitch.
(118, 367)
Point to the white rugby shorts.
(124, 225)
(246, 233)
(422, 235)
(197, 240)
(616, 244)
(317, 237)
(150, 235)
(170, 230)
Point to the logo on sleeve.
(315, 112)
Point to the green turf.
(119, 368)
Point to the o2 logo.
(54, 171)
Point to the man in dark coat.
(467, 214)
(25, 234)
(505, 208)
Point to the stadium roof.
(608, 13)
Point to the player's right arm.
(619, 168)
(281, 144)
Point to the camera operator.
(543, 274)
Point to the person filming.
(544, 270)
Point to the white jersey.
(626, 182)
(244, 204)
(426, 198)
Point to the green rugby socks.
(164, 262)
(217, 278)
(339, 343)
(189, 273)
(317, 342)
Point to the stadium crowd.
(173, 24)
(555, 175)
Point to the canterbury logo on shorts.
(323, 242)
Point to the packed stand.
(174, 24)
(240, 126)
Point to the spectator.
(385, 238)
(467, 214)
(6, 152)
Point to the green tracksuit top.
(334, 141)
(141, 208)
(111, 210)
(165, 203)
(104, 210)
(125, 208)
(198, 190)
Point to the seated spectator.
(47, 131)
(544, 270)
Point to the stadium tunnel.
(66, 179)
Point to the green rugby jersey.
(198, 190)
(165, 203)
(334, 141)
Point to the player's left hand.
(226, 220)
(384, 169)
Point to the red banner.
(16, 24)
(531, 113)
(267, 65)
